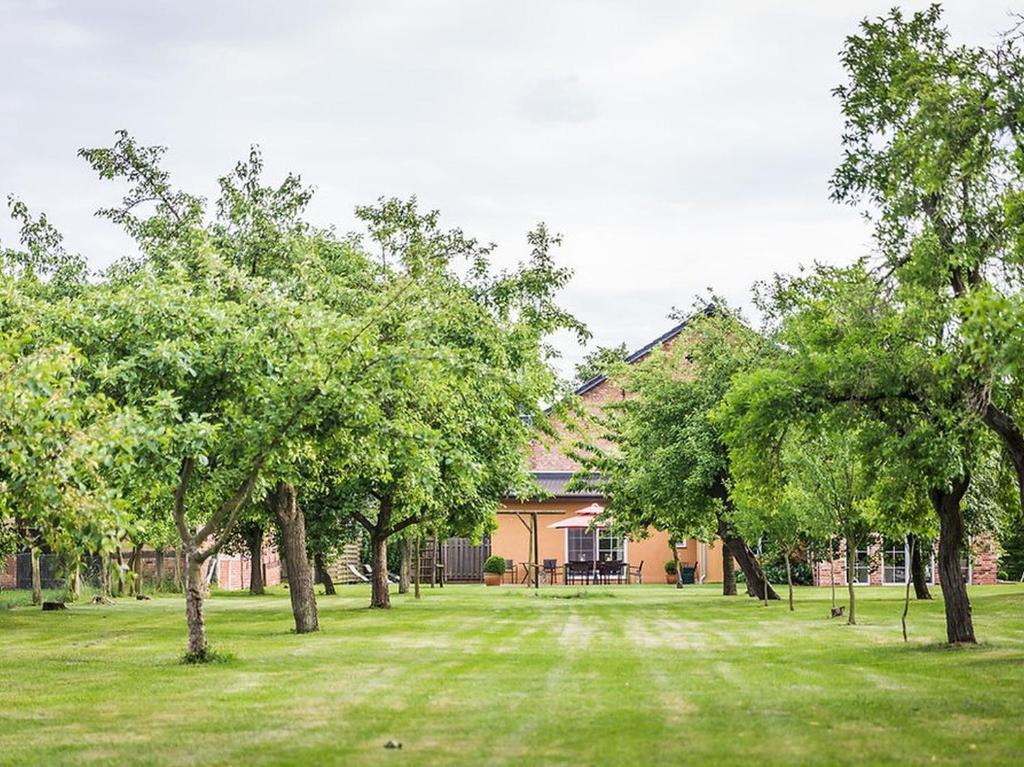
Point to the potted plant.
(494, 570)
(670, 571)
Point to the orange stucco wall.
(511, 540)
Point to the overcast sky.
(675, 145)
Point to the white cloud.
(675, 145)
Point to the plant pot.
(671, 579)
(492, 579)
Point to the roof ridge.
(646, 349)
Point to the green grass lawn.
(475, 676)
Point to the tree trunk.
(789, 580)
(195, 592)
(380, 597)
(906, 594)
(1013, 440)
(832, 571)
(106, 584)
(757, 584)
(179, 568)
(322, 575)
(120, 572)
(76, 579)
(37, 580)
(952, 535)
(137, 571)
(416, 571)
(728, 572)
(405, 546)
(158, 563)
(851, 570)
(679, 565)
(254, 542)
(433, 569)
(292, 523)
(917, 568)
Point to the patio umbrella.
(583, 518)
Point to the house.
(558, 523)
(886, 562)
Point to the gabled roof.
(554, 482)
(643, 351)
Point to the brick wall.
(234, 571)
(983, 567)
(8, 573)
(984, 560)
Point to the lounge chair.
(369, 573)
(352, 569)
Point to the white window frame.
(906, 564)
(857, 566)
(597, 550)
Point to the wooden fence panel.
(463, 560)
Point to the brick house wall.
(234, 571)
(984, 564)
(8, 573)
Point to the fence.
(53, 570)
(462, 559)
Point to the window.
(580, 544)
(609, 547)
(862, 568)
(895, 562)
(587, 545)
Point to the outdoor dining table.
(600, 572)
(613, 568)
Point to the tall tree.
(242, 365)
(853, 354)
(669, 466)
(460, 381)
(933, 143)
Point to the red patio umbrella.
(583, 518)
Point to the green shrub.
(670, 567)
(495, 565)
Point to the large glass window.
(587, 545)
(895, 562)
(580, 544)
(609, 547)
(862, 571)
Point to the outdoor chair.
(638, 574)
(579, 570)
(357, 574)
(369, 574)
(608, 570)
(551, 569)
(510, 569)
